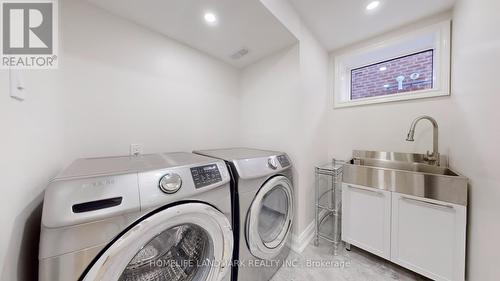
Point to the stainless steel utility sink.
(406, 173)
(406, 166)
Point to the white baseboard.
(300, 242)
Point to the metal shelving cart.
(328, 203)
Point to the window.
(405, 74)
(416, 65)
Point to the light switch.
(17, 86)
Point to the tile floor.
(319, 263)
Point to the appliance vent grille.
(239, 54)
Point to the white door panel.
(428, 237)
(366, 218)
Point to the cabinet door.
(366, 219)
(428, 237)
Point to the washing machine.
(262, 184)
(151, 217)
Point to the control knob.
(271, 163)
(170, 183)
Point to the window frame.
(436, 36)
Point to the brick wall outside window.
(373, 80)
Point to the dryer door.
(270, 218)
(191, 241)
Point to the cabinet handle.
(371, 190)
(427, 203)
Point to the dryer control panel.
(205, 175)
(283, 161)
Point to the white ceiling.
(338, 23)
(241, 24)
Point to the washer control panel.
(205, 175)
(283, 161)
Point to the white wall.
(469, 133)
(278, 113)
(270, 107)
(124, 84)
(313, 129)
(143, 86)
(306, 120)
(271, 113)
(475, 136)
(383, 127)
(117, 84)
(33, 148)
(281, 112)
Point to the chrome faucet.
(433, 157)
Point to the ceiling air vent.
(239, 54)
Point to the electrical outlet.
(135, 149)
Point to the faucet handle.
(432, 157)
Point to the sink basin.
(406, 173)
(406, 166)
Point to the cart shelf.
(328, 203)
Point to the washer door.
(191, 241)
(270, 218)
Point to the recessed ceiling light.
(372, 5)
(383, 68)
(210, 18)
